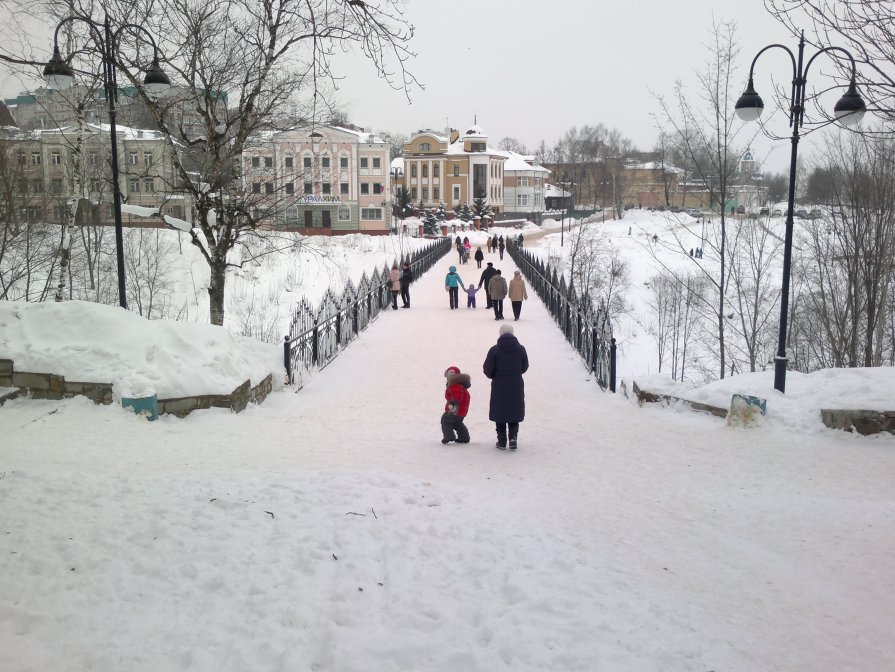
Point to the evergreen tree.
(430, 223)
(480, 207)
(403, 202)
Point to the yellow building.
(453, 169)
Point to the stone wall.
(860, 421)
(51, 386)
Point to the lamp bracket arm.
(792, 57)
(826, 50)
(93, 25)
(134, 26)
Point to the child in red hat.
(457, 398)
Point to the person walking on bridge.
(452, 284)
(504, 365)
(497, 290)
(487, 274)
(406, 279)
(517, 293)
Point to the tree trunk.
(216, 293)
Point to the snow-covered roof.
(552, 191)
(398, 163)
(121, 132)
(655, 165)
(475, 132)
(518, 162)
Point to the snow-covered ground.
(331, 530)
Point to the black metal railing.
(318, 334)
(587, 328)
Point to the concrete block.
(864, 422)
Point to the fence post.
(356, 317)
(314, 348)
(593, 350)
(339, 329)
(612, 365)
(287, 358)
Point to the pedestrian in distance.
(488, 244)
(456, 406)
(452, 284)
(460, 251)
(517, 293)
(487, 274)
(394, 282)
(479, 256)
(406, 279)
(500, 247)
(471, 290)
(504, 365)
(520, 239)
(497, 290)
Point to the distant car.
(764, 212)
(741, 210)
(802, 214)
(777, 213)
(814, 214)
(694, 212)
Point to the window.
(413, 170)
(289, 162)
(94, 185)
(35, 158)
(377, 163)
(436, 170)
(308, 188)
(343, 188)
(268, 187)
(135, 186)
(425, 170)
(132, 158)
(344, 214)
(377, 188)
(364, 162)
(268, 162)
(256, 187)
(413, 193)
(343, 162)
(371, 213)
(149, 185)
(327, 219)
(309, 219)
(307, 162)
(425, 193)
(56, 185)
(456, 170)
(23, 186)
(56, 158)
(425, 147)
(436, 194)
(477, 147)
(324, 162)
(521, 199)
(326, 188)
(22, 158)
(290, 187)
(365, 189)
(256, 162)
(456, 195)
(37, 186)
(523, 181)
(147, 158)
(91, 158)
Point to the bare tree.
(706, 140)
(849, 258)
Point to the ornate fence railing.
(318, 334)
(586, 328)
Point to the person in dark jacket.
(487, 274)
(504, 365)
(456, 406)
(497, 292)
(479, 256)
(500, 246)
(406, 279)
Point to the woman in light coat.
(517, 293)
(394, 283)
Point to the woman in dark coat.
(504, 365)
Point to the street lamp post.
(60, 75)
(395, 173)
(849, 110)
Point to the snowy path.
(331, 530)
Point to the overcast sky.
(532, 70)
